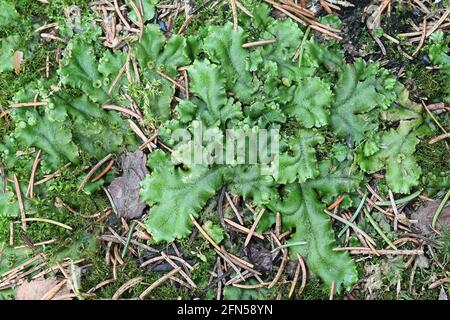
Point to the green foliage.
(438, 52)
(154, 54)
(311, 103)
(300, 161)
(8, 13)
(365, 120)
(174, 194)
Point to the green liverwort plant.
(358, 104)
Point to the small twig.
(394, 209)
(332, 290)
(242, 228)
(216, 247)
(233, 207)
(439, 138)
(53, 291)
(127, 243)
(255, 224)
(123, 110)
(353, 218)
(176, 84)
(93, 170)
(244, 9)
(126, 286)
(364, 250)
(121, 71)
(104, 171)
(295, 280)
(182, 273)
(158, 282)
(282, 265)
(20, 201)
(62, 225)
(186, 24)
(235, 17)
(139, 17)
(354, 226)
(30, 189)
(258, 43)
(28, 104)
(53, 175)
(378, 229)
(52, 37)
(422, 39)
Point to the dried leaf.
(36, 289)
(17, 61)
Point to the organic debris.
(124, 190)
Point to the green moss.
(314, 290)
(434, 158)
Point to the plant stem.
(378, 229)
(400, 201)
(358, 210)
(440, 208)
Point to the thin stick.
(123, 110)
(139, 17)
(121, 17)
(258, 43)
(126, 286)
(233, 207)
(242, 228)
(93, 170)
(21, 206)
(439, 138)
(158, 282)
(378, 229)
(394, 209)
(101, 285)
(28, 104)
(353, 218)
(235, 17)
(422, 39)
(440, 21)
(280, 270)
(255, 224)
(244, 9)
(332, 290)
(295, 280)
(364, 250)
(304, 273)
(354, 226)
(53, 291)
(104, 171)
(434, 119)
(30, 189)
(53, 175)
(121, 71)
(183, 274)
(176, 84)
(216, 247)
(186, 24)
(62, 225)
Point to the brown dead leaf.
(260, 257)
(17, 61)
(424, 216)
(124, 190)
(36, 289)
